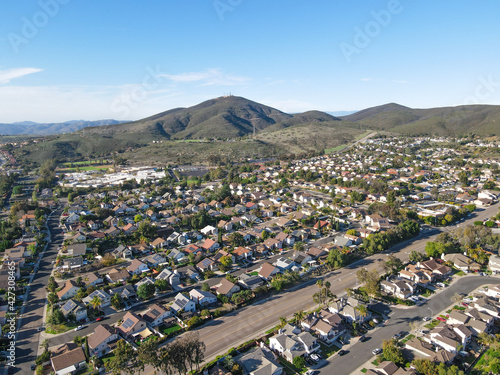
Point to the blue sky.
(126, 59)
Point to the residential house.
(227, 288)
(401, 288)
(242, 253)
(136, 267)
(259, 361)
(102, 295)
(101, 341)
(155, 260)
(267, 271)
(70, 289)
(131, 325)
(207, 264)
(125, 291)
(116, 275)
(69, 362)
(156, 314)
(181, 302)
(171, 276)
(74, 308)
(461, 262)
(251, 282)
(92, 278)
(77, 249)
(202, 298)
(176, 255)
(210, 245)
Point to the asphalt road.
(32, 318)
(361, 352)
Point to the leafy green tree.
(226, 262)
(205, 287)
(236, 239)
(392, 352)
(56, 317)
(161, 284)
(146, 291)
(393, 264)
(123, 359)
(116, 301)
(299, 362)
(370, 279)
(52, 298)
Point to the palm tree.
(319, 284)
(362, 310)
(299, 317)
(96, 302)
(282, 322)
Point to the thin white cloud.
(208, 77)
(366, 79)
(9, 74)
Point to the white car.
(426, 319)
(80, 327)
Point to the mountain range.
(35, 128)
(238, 119)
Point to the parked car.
(396, 336)
(314, 357)
(363, 338)
(342, 352)
(377, 351)
(99, 319)
(426, 319)
(441, 319)
(80, 327)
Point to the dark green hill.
(447, 121)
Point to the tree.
(146, 291)
(299, 362)
(51, 285)
(299, 316)
(226, 262)
(96, 302)
(137, 218)
(393, 264)
(147, 354)
(391, 197)
(283, 322)
(56, 317)
(161, 284)
(392, 352)
(370, 279)
(123, 355)
(52, 298)
(205, 287)
(236, 239)
(116, 301)
(362, 310)
(415, 256)
(336, 258)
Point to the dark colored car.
(342, 352)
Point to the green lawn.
(172, 329)
(328, 350)
(432, 324)
(61, 328)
